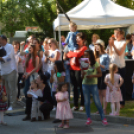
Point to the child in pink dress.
(63, 112)
(113, 92)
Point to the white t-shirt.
(9, 63)
(46, 67)
(119, 60)
(52, 55)
(20, 65)
(91, 46)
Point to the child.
(63, 112)
(3, 105)
(113, 92)
(35, 103)
(71, 38)
(57, 76)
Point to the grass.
(128, 111)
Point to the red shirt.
(25, 47)
(74, 62)
(30, 66)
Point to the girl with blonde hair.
(113, 93)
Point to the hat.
(99, 41)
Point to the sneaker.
(104, 122)
(89, 121)
(111, 114)
(116, 114)
(54, 109)
(61, 126)
(3, 123)
(74, 109)
(66, 126)
(10, 108)
(81, 108)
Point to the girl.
(31, 72)
(63, 112)
(57, 76)
(89, 86)
(103, 60)
(113, 92)
(35, 103)
(3, 105)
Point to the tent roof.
(96, 14)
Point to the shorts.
(101, 83)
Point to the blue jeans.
(92, 89)
(67, 77)
(27, 85)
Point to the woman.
(103, 59)
(19, 62)
(89, 85)
(31, 72)
(54, 53)
(118, 54)
(47, 102)
(75, 70)
(95, 37)
(37, 44)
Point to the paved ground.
(16, 126)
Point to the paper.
(32, 93)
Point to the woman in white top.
(19, 62)
(118, 54)
(95, 37)
(54, 53)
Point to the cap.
(99, 41)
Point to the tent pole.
(55, 34)
(59, 32)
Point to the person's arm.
(10, 53)
(40, 57)
(108, 84)
(78, 54)
(99, 74)
(121, 51)
(57, 56)
(67, 39)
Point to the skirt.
(3, 106)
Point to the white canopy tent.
(95, 14)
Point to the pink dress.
(63, 108)
(115, 95)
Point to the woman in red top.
(31, 72)
(75, 70)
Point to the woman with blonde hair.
(95, 37)
(113, 92)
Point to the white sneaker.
(54, 109)
(10, 108)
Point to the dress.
(63, 108)
(115, 95)
(3, 105)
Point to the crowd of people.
(49, 74)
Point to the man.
(9, 71)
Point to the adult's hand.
(22, 43)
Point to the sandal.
(97, 112)
(81, 108)
(74, 108)
(61, 126)
(3, 123)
